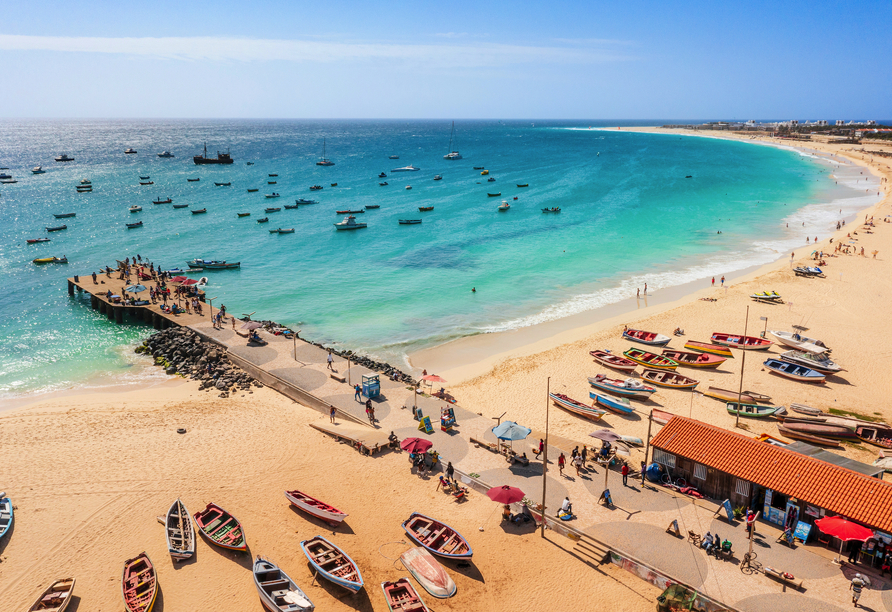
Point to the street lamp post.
(545, 451)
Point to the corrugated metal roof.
(839, 490)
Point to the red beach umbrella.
(190, 281)
(839, 527)
(505, 494)
(179, 279)
(433, 378)
(415, 445)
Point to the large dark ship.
(222, 158)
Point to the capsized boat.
(400, 595)
(221, 528)
(428, 572)
(824, 430)
(139, 584)
(806, 437)
(807, 410)
(179, 531)
(332, 563)
(793, 371)
(278, 592)
(816, 361)
(438, 538)
(660, 416)
(757, 411)
(882, 462)
(799, 342)
(646, 337)
(619, 405)
(576, 407)
(650, 360)
(630, 387)
(7, 515)
(613, 361)
(694, 360)
(705, 347)
(349, 223)
(747, 343)
(671, 380)
(314, 507)
(55, 598)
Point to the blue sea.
(628, 215)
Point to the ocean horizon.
(656, 208)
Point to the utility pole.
(545, 450)
(742, 364)
(650, 422)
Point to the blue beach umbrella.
(509, 430)
(136, 288)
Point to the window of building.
(743, 487)
(699, 471)
(664, 458)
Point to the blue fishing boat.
(794, 371)
(332, 563)
(6, 514)
(619, 405)
(630, 387)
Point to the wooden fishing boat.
(272, 182)
(747, 343)
(660, 416)
(613, 361)
(494, 195)
(576, 407)
(878, 436)
(58, 228)
(56, 598)
(291, 206)
(438, 538)
(332, 563)
(314, 507)
(133, 225)
(619, 405)
(694, 360)
(278, 592)
(523, 185)
(139, 584)
(147, 183)
(221, 528)
(36, 240)
(402, 597)
(273, 175)
(180, 532)
(7, 516)
(178, 206)
(372, 206)
(350, 212)
(425, 208)
(144, 178)
(756, 411)
(200, 211)
(272, 195)
(409, 221)
(65, 215)
(726, 395)
(315, 187)
(253, 190)
(794, 371)
(222, 184)
(705, 347)
(283, 230)
(799, 342)
(428, 572)
(824, 430)
(160, 201)
(803, 409)
(806, 437)
(195, 180)
(630, 387)
(646, 337)
(816, 361)
(272, 209)
(671, 380)
(243, 214)
(650, 360)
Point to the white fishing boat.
(798, 341)
(504, 206)
(453, 154)
(815, 361)
(349, 223)
(38, 170)
(135, 208)
(165, 154)
(409, 168)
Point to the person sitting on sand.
(506, 512)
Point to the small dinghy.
(613, 361)
(576, 407)
(494, 195)
(438, 538)
(401, 597)
(271, 210)
(243, 214)
(694, 360)
(650, 360)
(6, 514)
(181, 206)
(160, 201)
(263, 220)
(425, 208)
(629, 387)
(223, 184)
(428, 572)
(134, 225)
(669, 379)
(139, 584)
(794, 371)
(195, 180)
(314, 507)
(646, 337)
(619, 405)
(65, 215)
(278, 592)
(56, 598)
(180, 533)
(135, 208)
(253, 190)
(332, 563)
(756, 411)
(409, 221)
(200, 211)
(221, 528)
(57, 228)
(746, 343)
(705, 347)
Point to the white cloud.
(465, 55)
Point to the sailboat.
(452, 154)
(324, 161)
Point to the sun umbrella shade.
(606, 435)
(433, 378)
(842, 529)
(415, 445)
(190, 281)
(505, 494)
(136, 288)
(252, 325)
(179, 279)
(509, 430)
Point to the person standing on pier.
(357, 395)
(330, 360)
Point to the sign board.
(802, 531)
(728, 510)
(425, 425)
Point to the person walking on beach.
(562, 461)
(855, 586)
(357, 393)
(645, 288)
(331, 413)
(450, 472)
(638, 293)
(713, 281)
(723, 281)
(330, 360)
(625, 472)
(584, 454)
(577, 463)
(540, 448)
(574, 452)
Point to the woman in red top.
(562, 461)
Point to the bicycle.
(749, 565)
(678, 483)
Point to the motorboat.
(247, 214)
(349, 223)
(193, 180)
(409, 168)
(816, 361)
(305, 201)
(797, 341)
(165, 154)
(410, 221)
(491, 179)
(272, 195)
(38, 170)
(408, 187)
(553, 209)
(382, 175)
(438, 178)
(290, 230)
(129, 151)
(504, 206)
(64, 158)
(384, 184)
(46, 260)
(135, 208)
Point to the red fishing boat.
(694, 360)
(401, 597)
(139, 584)
(576, 407)
(438, 538)
(314, 507)
(746, 343)
(646, 337)
(613, 361)
(669, 379)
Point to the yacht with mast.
(324, 161)
(452, 153)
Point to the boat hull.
(320, 510)
(613, 404)
(794, 371)
(428, 572)
(139, 569)
(179, 520)
(650, 360)
(806, 437)
(401, 595)
(670, 380)
(62, 589)
(744, 343)
(614, 361)
(213, 517)
(575, 407)
(701, 361)
(645, 337)
(268, 578)
(640, 393)
(755, 411)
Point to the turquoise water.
(628, 216)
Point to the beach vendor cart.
(371, 385)
(447, 418)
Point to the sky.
(585, 59)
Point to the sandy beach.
(89, 472)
